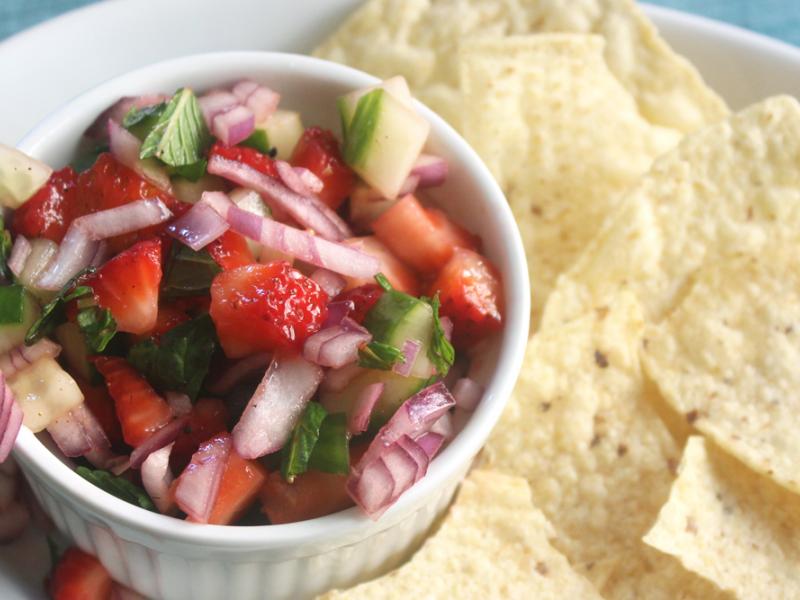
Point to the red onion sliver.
(263, 102)
(179, 403)
(336, 346)
(23, 356)
(234, 125)
(157, 477)
(11, 429)
(117, 464)
(409, 186)
(243, 89)
(77, 432)
(467, 393)
(162, 437)
(447, 327)
(240, 371)
(19, 254)
(410, 351)
(299, 244)
(200, 226)
(337, 379)
(117, 111)
(299, 180)
(332, 283)
(362, 411)
(337, 311)
(372, 489)
(279, 400)
(6, 402)
(444, 426)
(308, 211)
(198, 485)
(101, 255)
(215, 103)
(402, 467)
(431, 170)
(431, 443)
(313, 183)
(126, 147)
(75, 252)
(13, 521)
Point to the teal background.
(776, 18)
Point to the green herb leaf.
(12, 304)
(180, 361)
(362, 127)
(331, 453)
(377, 355)
(297, 452)
(179, 136)
(53, 313)
(191, 172)
(258, 141)
(188, 273)
(441, 351)
(117, 486)
(141, 121)
(380, 278)
(98, 327)
(85, 160)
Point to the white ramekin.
(163, 557)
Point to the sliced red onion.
(12, 426)
(298, 179)
(337, 379)
(308, 211)
(157, 477)
(337, 311)
(409, 186)
(337, 345)
(467, 393)
(312, 183)
(215, 103)
(180, 404)
(402, 466)
(372, 490)
(19, 254)
(5, 406)
(410, 351)
(198, 485)
(13, 522)
(263, 102)
(234, 125)
(447, 327)
(417, 453)
(444, 426)
(243, 89)
(279, 400)
(198, 227)
(240, 371)
(431, 170)
(117, 464)
(431, 443)
(332, 283)
(101, 255)
(22, 356)
(125, 147)
(362, 411)
(69, 433)
(118, 110)
(162, 437)
(80, 244)
(299, 244)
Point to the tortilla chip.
(493, 543)
(562, 137)
(727, 357)
(731, 525)
(726, 190)
(420, 39)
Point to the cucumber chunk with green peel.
(396, 86)
(397, 389)
(13, 334)
(284, 128)
(20, 176)
(252, 202)
(382, 139)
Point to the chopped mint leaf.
(257, 140)
(53, 313)
(331, 453)
(179, 136)
(383, 282)
(188, 273)
(179, 362)
(362, 127)
(191, 172)
(117, 486)
(98, 327)
(377, 355)
(86, 159)
(297, 452)
(141, 121)
(441, 352)
(12, 304)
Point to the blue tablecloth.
(777, 18)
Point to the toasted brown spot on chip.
(600, 359)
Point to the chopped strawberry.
(249, 156)
(140, 409)
(399, 275)
(102, 407)
(128, 285)
(230, 250)
(49, 211)
(169, 316)
(209, 417)
(260, 308)
(422, 237)
(363, 297)
(318, 151)
(79, 576)
(471, 295)
(241, 482)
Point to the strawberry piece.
(241, 482)
(101, 406)
(260, 308)
(208, 418)
(363, 297)
(141, 411)
(399, 275)
(49, 211)
(168, 317)
(249, 156)
(128, 285)
(230, 251)
(79, 576)
(471, 295)
(422, 237)
(318, 151)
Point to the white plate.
(53, 62)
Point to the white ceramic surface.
(47, 65)
(168, 558)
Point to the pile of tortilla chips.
(656, 417)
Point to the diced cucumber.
(397, 318)
(73, 349)
(20, 176)
(44, 392)
(284, 128)
(252, 202)
(396, 390)
(396, 86)
(191, 191)
(366, 205)
(383, 140)
(14, 335)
